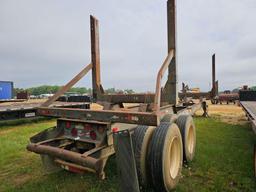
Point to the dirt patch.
(19, 180)
(232, 113)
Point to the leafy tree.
(52, 89)
(253, 88)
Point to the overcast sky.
(48, 41)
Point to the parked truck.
(151, 138)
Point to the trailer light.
(74, 132)
(68, 125)
(115, 129)
(93, 135)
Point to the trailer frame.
(119, 122)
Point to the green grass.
(223, 162)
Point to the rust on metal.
(22, 95)
(141, 118)
(157, 101)
(213, 76)
(64, 154)
(93, 153)
(68, 86)
(73, 167)
(170, 89)
(95, 56)
(128, 98)
(207, 95)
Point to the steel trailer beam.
(171, 91)
(68, 86)
(208, 95)
(166, 64)
(128, 98)
(215, 85)
(78, 158)
(95, 56)
(213, 75)
(140, 118)
(94, 65)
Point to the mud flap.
(49, 165)
(126, 162)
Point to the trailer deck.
(10, 111)
(12, 100)
(250, 109)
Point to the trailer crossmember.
(140, 118)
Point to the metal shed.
(6, 90)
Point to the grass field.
(223, 162)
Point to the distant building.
(6, 90)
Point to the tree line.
(52, 89)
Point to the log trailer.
(210, 95)
(151, 139)
(227, 97)
(213, 94)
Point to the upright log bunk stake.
(213, 77)
(171, 91)
(215, 84)
(95, 56)
(213, 72)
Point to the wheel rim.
(191, 139)
(175, 150)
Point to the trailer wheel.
(141, 139)
(188, 132)
(165, 157)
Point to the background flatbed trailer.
(248, 103)
(250, 109)
(11, 111)
(11, 100)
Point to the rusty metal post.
(213, 76)
(216, 88)
(95, 54)
(171, 86)
(183, 87)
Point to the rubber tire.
(159, 157)
(185, 123)
(141, 139)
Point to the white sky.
(48, 41)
